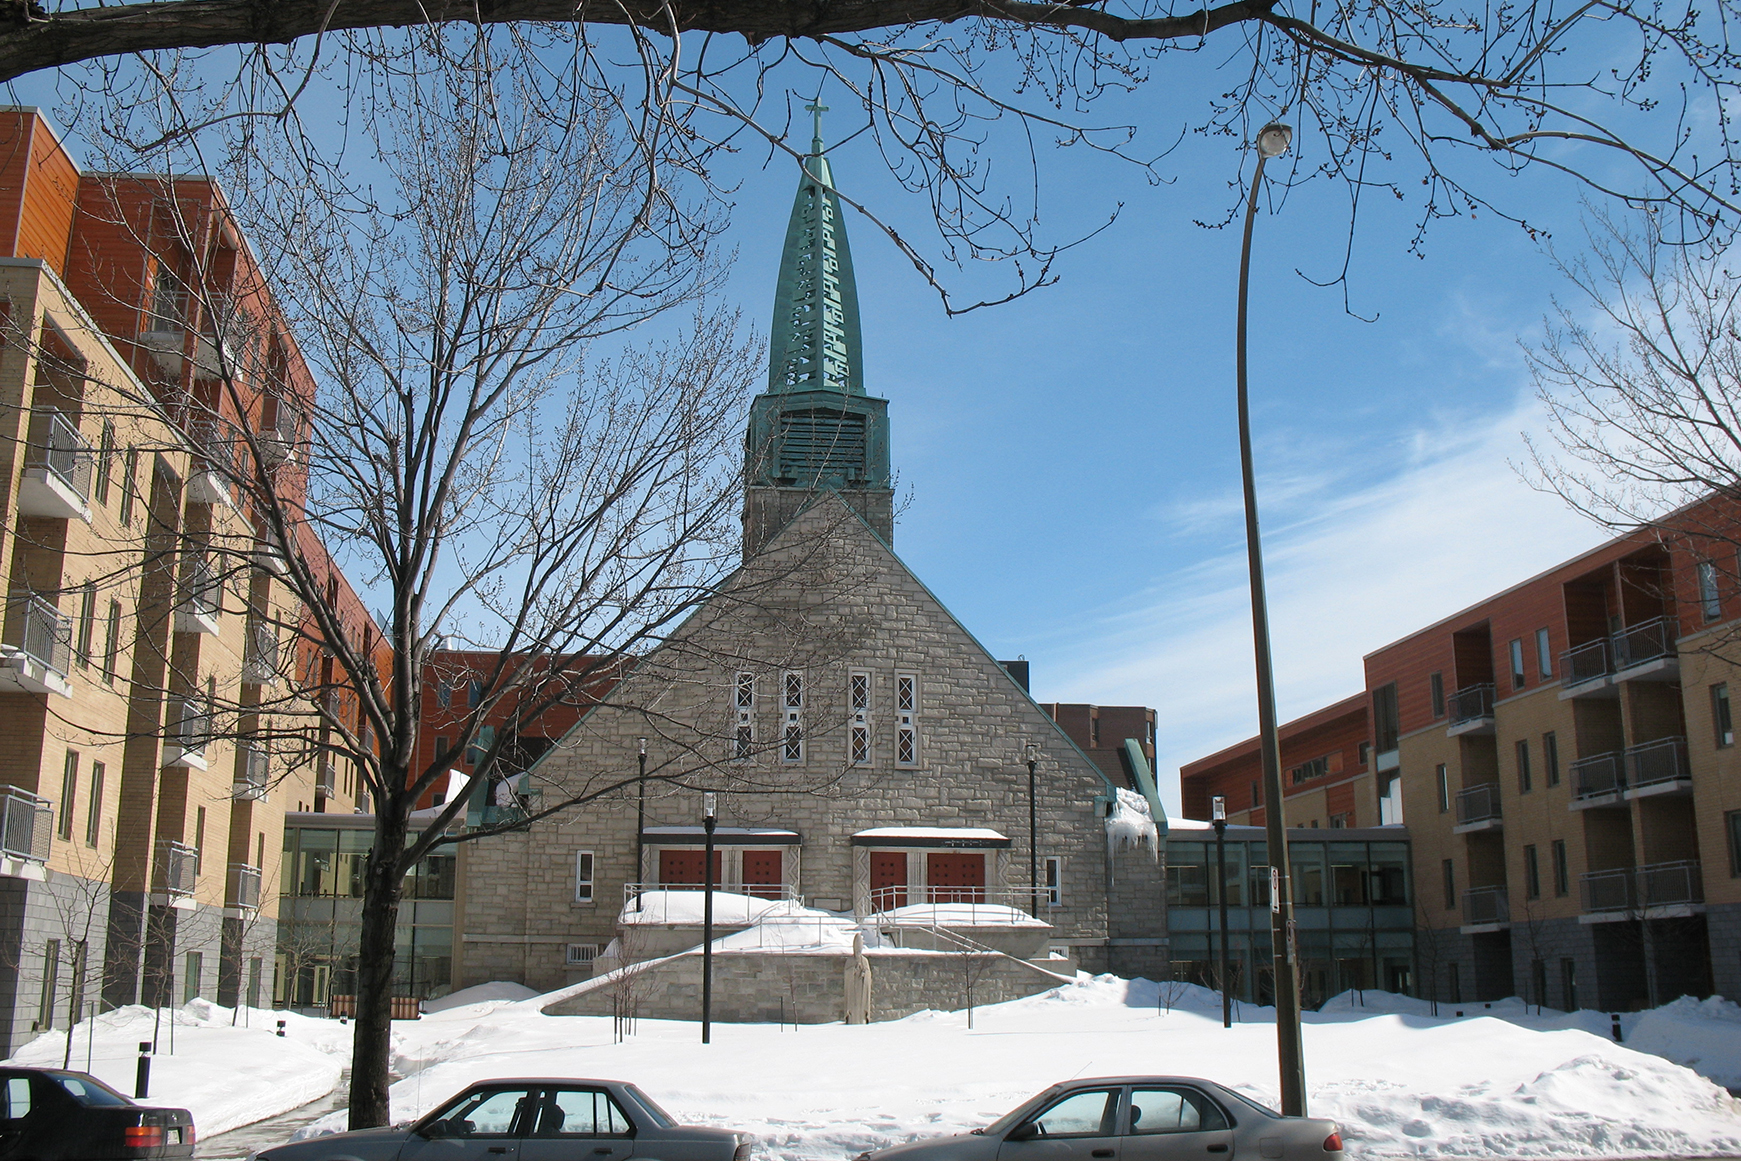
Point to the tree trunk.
(372, 1043)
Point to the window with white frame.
(745, 744)
(792, 700)
(858, 691)
(1054, 880)
(583, 880)
(582, 954)
(906, 719)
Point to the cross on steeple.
(816, 108)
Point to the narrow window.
(475, 694)
(1551, 758)
(1721, 716)
(1532, 873)
(1436, 683)
(1444, 778)
(1450, 872)
(1709, 600)
(190, 987)
(1053, 880)
(69, 792)
(112, 643)
(94, 809)
(906, 719)
(792, 700)
(1525, 783)
(199, 840)
(1544, 654)
(1517, 676)
(1562, 875)
(105, 461)
(1093, 730)
(50, 986)
(745, 700)
(858, 697)
(87, 624)
(1733, 821)
(583, 881)
(129, 486)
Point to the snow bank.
(480, 994)
(687, 907)
(956, 915)
(1132, 823)
(1704, 1035)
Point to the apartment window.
(1444, 782)
(1562, 874)
(583, 880)
(858, 698)
(199, 840)
(105, 461)
(1340, 821)
(1450, 872)
(69, 792)
(190, 984)
(112, 643)
(1517, 676)
(581, 954)
(906, 719)
(745, 702)
(1093, 730)
(1569, 984)
(1532, 873)
(1551, 758)
(129, 485)
(87, 624)
(792, 699)
(1386, 725)
(1721, 716)
(1732, 822)
(1525, 783)
(1710, 601)
(1544, 654)
(94, 809)
(1436, 684)
(474, 694)
(1365, 754)
(1306, 771)
(50, 985)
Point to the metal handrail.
(1478, 803)
(1652, 885)
(177, 869)
(26, 824)
(253, 772)
(244, 886)
(1662, 760)
(1586, 662)
(42, 632)
(1486, 905)
(729, 906)
(1471, 703)
(56, 444)
(985, 906)
(191, 724)
(260, 653)
(205, 587)
(1608, 890)
(1645, 642)
(326, 779)
(1599, 774)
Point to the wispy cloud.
(1445, 522)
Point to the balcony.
(269, 555)
(26, 831)
(176, 871)
(38, 647)
(199, 608)
(211, 482)
(57, 469)
(1485, 909)
(1585, 670)
(190, 730)
(260, 654)
(253, 773)
(1471, 710)
(1598, 780)
(244, 889)
(1646, 652)
(278, 442)
(1653, 891)
(1658, 767)
(326, 779)
(1478, 809)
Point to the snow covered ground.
(1504, 1083)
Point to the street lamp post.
(708, 819)
(641, 825)
(1032, 753)
(1272, 141)
(1218, 812)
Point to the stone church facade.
(867, 752)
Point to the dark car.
(535, 1119)
(1134, 1118)
(50, 1114)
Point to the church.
(866, 760)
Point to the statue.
(858, 984)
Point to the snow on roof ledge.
(930, 836)
(725, 834)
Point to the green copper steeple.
(815, 341)
(816, 429)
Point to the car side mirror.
(435, 1130)
(1026, 1131)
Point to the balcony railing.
(177, 869)
(1486, 905)
(39, 631)
(26, 824)
(326, 779)
(190, 729)
(1645, 642)
(56, 445)
(205, 588)
(1636, 888)
(253, 772)
(260, 654)
(1653, 763)
(1599, 775)
(1478, 804)
(1471, 704)
(1586, 662)
(244, 886)
(966, 906)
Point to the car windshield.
(88, 1090)
(657, 1115)
(1251, 1104)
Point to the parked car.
(537, 1119)
(1134, 1118)
(47, 1114)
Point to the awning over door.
(957, 837)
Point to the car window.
(494, 1112)
(1251, 1104)
(657, 1115)
(15, 1098)
(1081, 1114)
(89, 1091)
(578, 1112)
(1173, 1110)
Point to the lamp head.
(1218, 808)
(1273, 139)
(710, 804)
(1030, 753)
(642, 742)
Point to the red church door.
(955, 877)
(888, 880)
(762, 874)
(687, 868)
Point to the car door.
(16, 1123)
(1078, 1126)
(479, 1125)
(578, 1123)
(1176, 1123)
